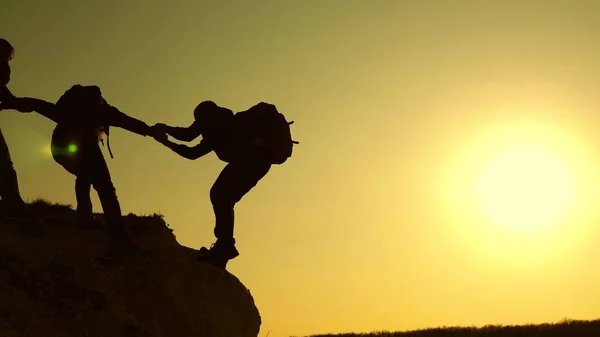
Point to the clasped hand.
(159, 133)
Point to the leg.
(223, 204)
(9, 185)
(84, 202)
(121, 242)
(102, 182)
(233, 183)
(75, 164)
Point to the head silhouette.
(6, 50)
(208, 114)
(81, 96)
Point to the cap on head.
(205, 110)
(209, 114)
(6, 49)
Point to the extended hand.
(160, 127)
(158, 134)
(161, 137)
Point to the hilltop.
(566, 328)
(51, 284)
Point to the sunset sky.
(396, 211)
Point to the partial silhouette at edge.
(13, 204)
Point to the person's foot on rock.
(219, 254)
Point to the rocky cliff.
(52, 285)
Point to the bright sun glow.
(522, 193)
(525, 188)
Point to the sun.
(525, 187)
(521, 193)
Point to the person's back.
(264, 132)
(259, 133)
(84, 116)
(81, 120)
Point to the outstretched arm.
(121, 120)
(191, 153)
(28, 104)
(184, 134)
(46, 109)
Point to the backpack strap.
(293, 141)
(107, 133)
(108, 146)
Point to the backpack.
(262, 123)
(81, 107)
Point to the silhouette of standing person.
(250, 142)
(9, 186)
(83, 116)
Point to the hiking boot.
(219, 254)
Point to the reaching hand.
(160, 127)
(161, 137)
(158, 134)
(25, 105)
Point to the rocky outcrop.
(52, 285)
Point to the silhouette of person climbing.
(83, 117)
(250, 142)
(9, 186)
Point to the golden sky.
(375, 222)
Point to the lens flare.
(72, 148)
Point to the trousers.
(235, 181)
(81, 156)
